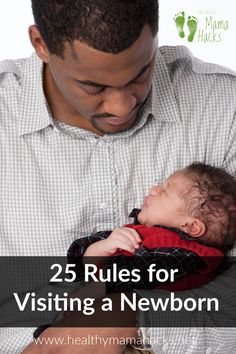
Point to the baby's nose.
(154, 190)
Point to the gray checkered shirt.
(60, 182)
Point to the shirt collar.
(161, 103)
(164, 106)
(33, 110)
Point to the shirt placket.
(104, 182)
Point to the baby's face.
(164, 204)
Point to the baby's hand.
(123, 238)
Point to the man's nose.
(119, 102)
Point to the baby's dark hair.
(212, 199)
(108, 26)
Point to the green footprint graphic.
(179, 22)
(192, 27)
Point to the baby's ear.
(194, 227)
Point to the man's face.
(98, 91)
(164, 205)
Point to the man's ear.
(38, 43)
(194, 227)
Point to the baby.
(198, 203)
(193, 214)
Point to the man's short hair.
(212, 198)
(108, 26)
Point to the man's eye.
(89, 89)
(95, 92)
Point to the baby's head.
(200, 200)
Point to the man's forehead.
(89, 60)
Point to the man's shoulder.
(11, 71)
(17, 77)
(182, 56)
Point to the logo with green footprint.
(192, 23)
(210, 28)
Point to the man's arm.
(205, 329)
(72, 336)
(87, 340)
(163, 340)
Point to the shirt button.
(103, 205)
(101, 143)
(165, 348)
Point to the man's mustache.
(108, 115)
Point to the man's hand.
(123, 238)
(84, 339)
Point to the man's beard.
(95, 119)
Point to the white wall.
(16, 16)
(222, 14)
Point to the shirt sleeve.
(14, 340)
(208, 332)
(230, 150)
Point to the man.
(87, 125)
